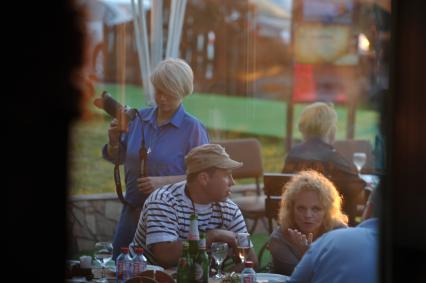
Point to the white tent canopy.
(148, 59)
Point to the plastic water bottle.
(139, 262)
(248, 275)
(123, 265)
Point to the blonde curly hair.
(310, 180)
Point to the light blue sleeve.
(304, 270)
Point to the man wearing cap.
(164, 221)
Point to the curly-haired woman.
(310, 206)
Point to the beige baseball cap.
(209, 155)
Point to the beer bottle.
(193, 236)
(202, 263)
(184, 268)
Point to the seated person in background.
(310, 206)
(165, 217)
(317, 125)
(344, 255)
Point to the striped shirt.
(166, 215)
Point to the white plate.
(271, 278)
(154, 267)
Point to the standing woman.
(310, 206)
(167, 132)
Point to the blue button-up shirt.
(166, 145)
(342, 255)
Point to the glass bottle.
(193, 236)
(202, 263)
(184, 264)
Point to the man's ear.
(203, 178)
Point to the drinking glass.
(243, 243)
(219, 252)
(359, 159)
(103, 254)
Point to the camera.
(115, 109)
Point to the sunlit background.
(256, 64)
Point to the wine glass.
(359, 159)
(219, 252)
(243, 243)
(103, 254)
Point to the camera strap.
(143, 159)
(117, 181)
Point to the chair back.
(347, 148)
(248, 151)
(141, 279)
(151, 276)
(273, 187)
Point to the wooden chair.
(252, 202)
(347, 148)
(273, 185)
(151, 276)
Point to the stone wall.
(91, 218)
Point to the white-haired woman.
(168, 134)
(310, 206)
(317, 124)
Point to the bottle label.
(249, 279)
(120, 270)
(248, 276)
(137, 268)
(202, 244)
(193, 230)
(198, 272)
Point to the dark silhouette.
(46, 62)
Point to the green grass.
(258, 240)
(226, 117)
(260, 117)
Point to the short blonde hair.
(174, 77)
(318, 120)
(313, 181)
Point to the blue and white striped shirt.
(166, 215)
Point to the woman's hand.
(300, 240)
(149, 184)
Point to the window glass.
(256, 64)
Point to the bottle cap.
(124, 250)
(139, 250)
(249, 263)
